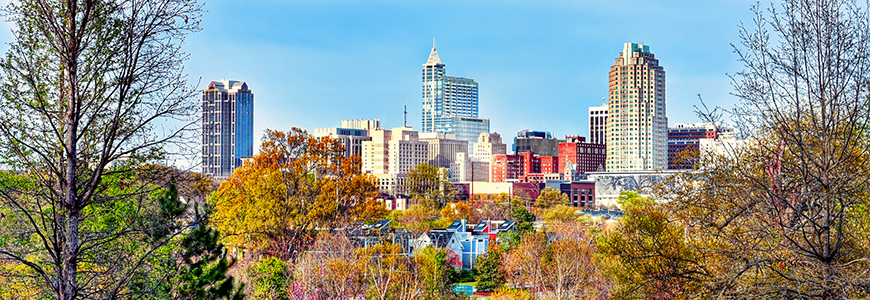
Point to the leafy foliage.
(430, 185)
(204, 268)
(268, 278)
(295, 185)
(488, 270)
(646, 253)
(550, 197)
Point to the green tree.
(647, 255)
(550, 197)
(87, 87)
(523, 218)
(205, 267)
(559, 214)
(432, 268)
(269, 278)
(488, 270)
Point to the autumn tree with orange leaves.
(278, 200)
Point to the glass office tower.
(450, 104)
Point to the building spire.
(433, 56)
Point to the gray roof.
(439, 238)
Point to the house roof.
(440, 238)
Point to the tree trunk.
(69, 286)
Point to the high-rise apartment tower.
(636, 122)
(227, 127)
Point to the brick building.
(582, 156)
(505, 167)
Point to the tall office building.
(598, 123)
(450, 104)
(227, 127)
(636, 121)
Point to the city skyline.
(316, 63)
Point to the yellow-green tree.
(293, 186)
(550, 197)
(647, 255)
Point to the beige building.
(390, 154)
(350, 138)
(488, 144)
(443, 148)
(368, 125)
(637, 125)
(470, 169)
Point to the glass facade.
(445, 97)
(227, 127)
(466, 128)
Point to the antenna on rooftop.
(406, 106)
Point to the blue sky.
(539, 64)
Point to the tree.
(780, 216)
(205, 267)
(569, 265)
(458, 210)
(330, 269)
(488, 272)
(430, 185)
(550, 197)
(523, 218)
(646, 253)
(391, 274)
(296, 184)
(85, 86)
(432, 266)
(560, 213)
(419, 218)
(522, 264)
(269, 278)
(496, 207)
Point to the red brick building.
(585, 157)
(581, 193)
(505, 167)
(548, 164)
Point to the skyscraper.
(450, 104)
(227, 127)
(636, 121)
